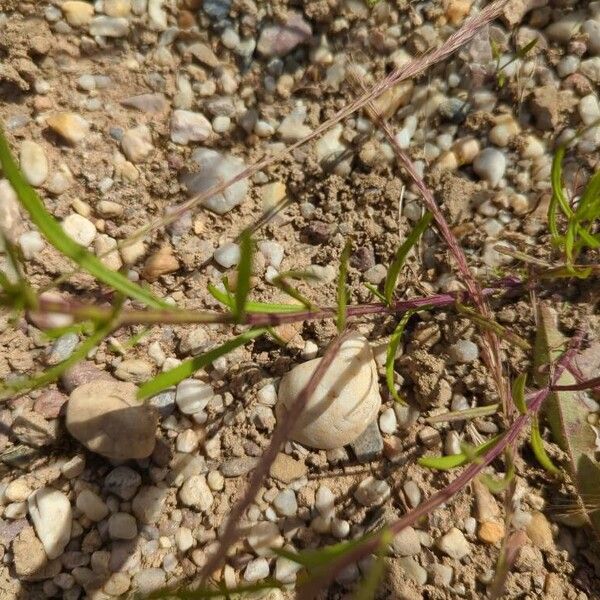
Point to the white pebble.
(464, 351)
(79, 229)
(193, 396)
(34, 163)
(221, 124)
(340, 528)
(325, 502)
(187, 126)
(227, 255)
(589, 109)
(372, 492)
(184, 539)
(387, 421)
(454, 544)
(31, 243)
(285, 503)
(272, 251)
(256, 570)
(196, 493)
(490, 165)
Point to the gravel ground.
(121, 109)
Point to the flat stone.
(77, 13)
(34, 163)
(369, 444)
(406, 542)
(70, 126)
(81, 373)
(215, 168)
(79, 229)
(149, 580)
(50, 512)
(280, 39)
(454, 544)
(109, 26)
(188, 126)
(30, 560)
(148, 504)
(195, 493)
(147, 103)
(287, 469)
(34, 430)
(106, 418)
(137, 144)
(123, 482)
(236, 467)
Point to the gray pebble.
(369, 444)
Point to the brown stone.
(286, 469)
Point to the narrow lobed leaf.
(390, 356)
(244, 273)
(401, 254)
(445, 463)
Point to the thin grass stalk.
(85, 312)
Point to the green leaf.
(518, 393)
(537, 445)
(242, 286)
(281, 282)
(252, 307)
(390, 356)
(54, 233)
(375, 292)
(187, 368)
(495, 485)
(527, 48)
(401, 254)
(444, 463)
(342, 288)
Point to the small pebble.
(387, 421)
(285, 503)
(227, 255)
(454, 544)
(34, 163)
(490, 165)
(187, 126)
(256, 570)
(372, 492)
(122, 526)
(192, 396)
(91, 505)
(79, 229)
(463, 351)
(71, 127)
